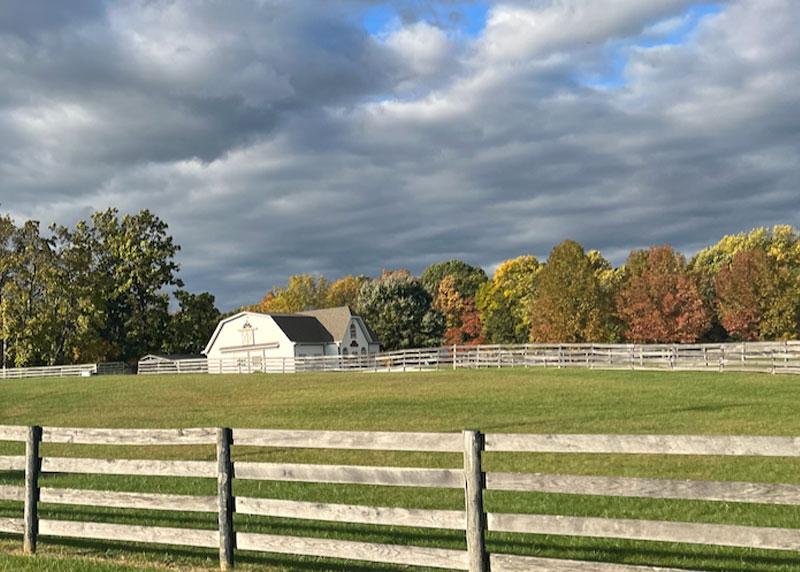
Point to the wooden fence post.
(32, 466)
(785, 354)
(476, 518)
(455, 354)
(225, 498)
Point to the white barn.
(327, 332)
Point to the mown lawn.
(505, 400)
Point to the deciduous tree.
(466, 279)
(345, 291)
(462, 319)
(660, 302)
(191, 326)
(398, 309)
(469, 330)
(505, 301)
(24, 303)
(134, 263)
(744, 288)
(781, 245)
(7, 263)
(448, 301)
(302, 292)
(570, 305)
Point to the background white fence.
(80, 370)
(49, 371)
(770, 357)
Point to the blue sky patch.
(378, 19)
(613, 74)
(459, 18)
(682, 32)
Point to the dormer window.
(353, 330)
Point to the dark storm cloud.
(282, 137)
(26, 19)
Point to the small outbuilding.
(327, 332)
(171, 363)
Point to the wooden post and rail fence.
(471, 478)
(766, 357)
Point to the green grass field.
(508, 400)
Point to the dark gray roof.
(375, 339)
(303, 329)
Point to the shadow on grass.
(708, 408)
(131, 516)
(205, 557)
(710, 558)
(12, 478)
(699, 557)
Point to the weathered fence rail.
(768, 357)
(471, 478)
(80, 370)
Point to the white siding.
(361, 339)
(229, 341)
(307, 350)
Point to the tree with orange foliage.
(461, 317)
(448, 301)
(660, 302)
(743, 288)
(471, 330)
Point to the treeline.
(95, 292)
(745, 287)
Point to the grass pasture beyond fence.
(494, 401)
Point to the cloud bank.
(280, 137)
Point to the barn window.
(363, 351)
(352, 330)
(344, 351)
(354, 344)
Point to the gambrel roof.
(311, 327)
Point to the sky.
(278, 137)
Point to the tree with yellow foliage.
(505, 301)
(570, 306)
